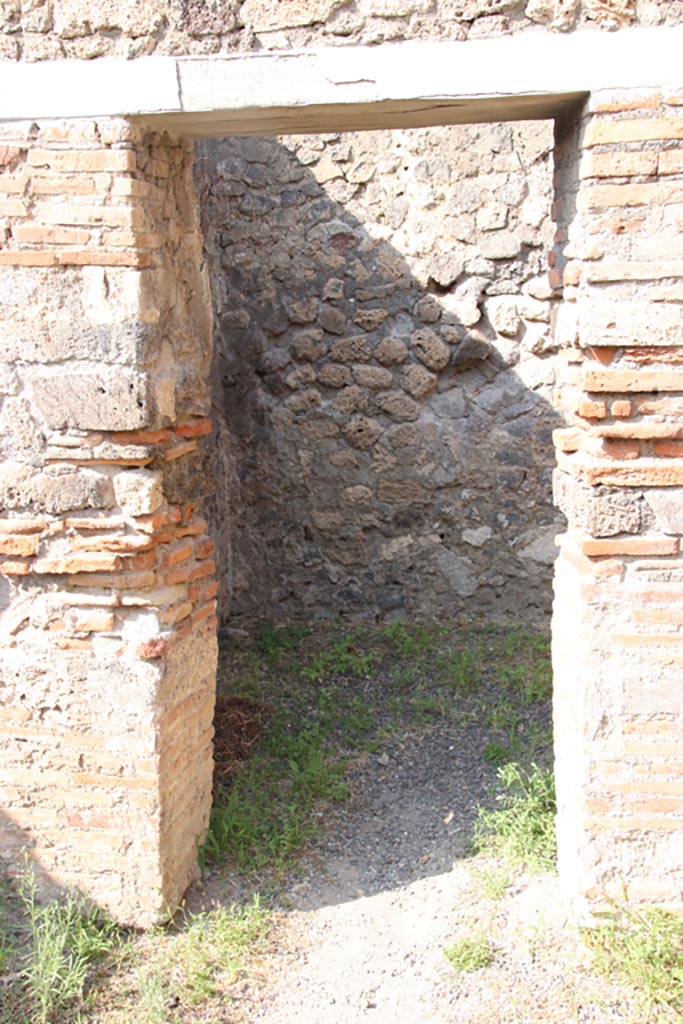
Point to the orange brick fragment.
(204, 548)
(24, 545)
(595, 548)
(27, 258)
(69, 643)
(592, 410)
(673, 448)
(146, 560)
(176, 613)
(36, 525)
(94, 622)
(79, 563)
(152, 437)
(194, 428)
(620, 449)
(38, 234)
(622, 407)
(179, 450)
(601, 130)
(638, 379)
(15, 567)
(179, 554)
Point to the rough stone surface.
(45, 30)
(340, 365)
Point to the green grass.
(68, 938)
(644, 947)
(472, 953)
(199, 961)
(522, 830)
(320, 683)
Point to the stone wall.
(383, 371)
(53, 29)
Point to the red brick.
(629, 380)
(176, 613)
(207, 611)
(146, 560)
(116, 581)
(672, 448)
(618, 164)
(202, 591)
(657, 616)
(631, 99)
(601, 131)
(204, 548)
(37, 234)
(15, 567)
(622, 407)
(102, 258)
(651, 193)
(591, 409)
(194, 428)
(60, 186)
(24, 545)
(27, 258)
(79, 563)
(629, 546)
(671, 162)
(122, 544)
(93, 161)
(603, 353)
(153, 437)
(69, 643)
(191, 529)
(620, 449)
(179, 554)
(179, 450)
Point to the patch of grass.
(461, 671)
(472, 953)
(200, 960)
(69, 937)
(267, 813)
(522, 831)
(343, 658)
(493, 879)
(272, 640)
(7, 945)
(645, 948)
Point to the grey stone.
(56, 489)
(108, 400)
(600, 511)
(458, 572)
(667, 505)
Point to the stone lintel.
(455, 81)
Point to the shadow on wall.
(382, 372)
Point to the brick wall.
(106, 595)
(618, 646)
(108, 649)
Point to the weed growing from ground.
(471, 953)
(644, 947)
(6, 939)
(68, 938)
(200, 960)
(522, 831)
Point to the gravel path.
(390, 882)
